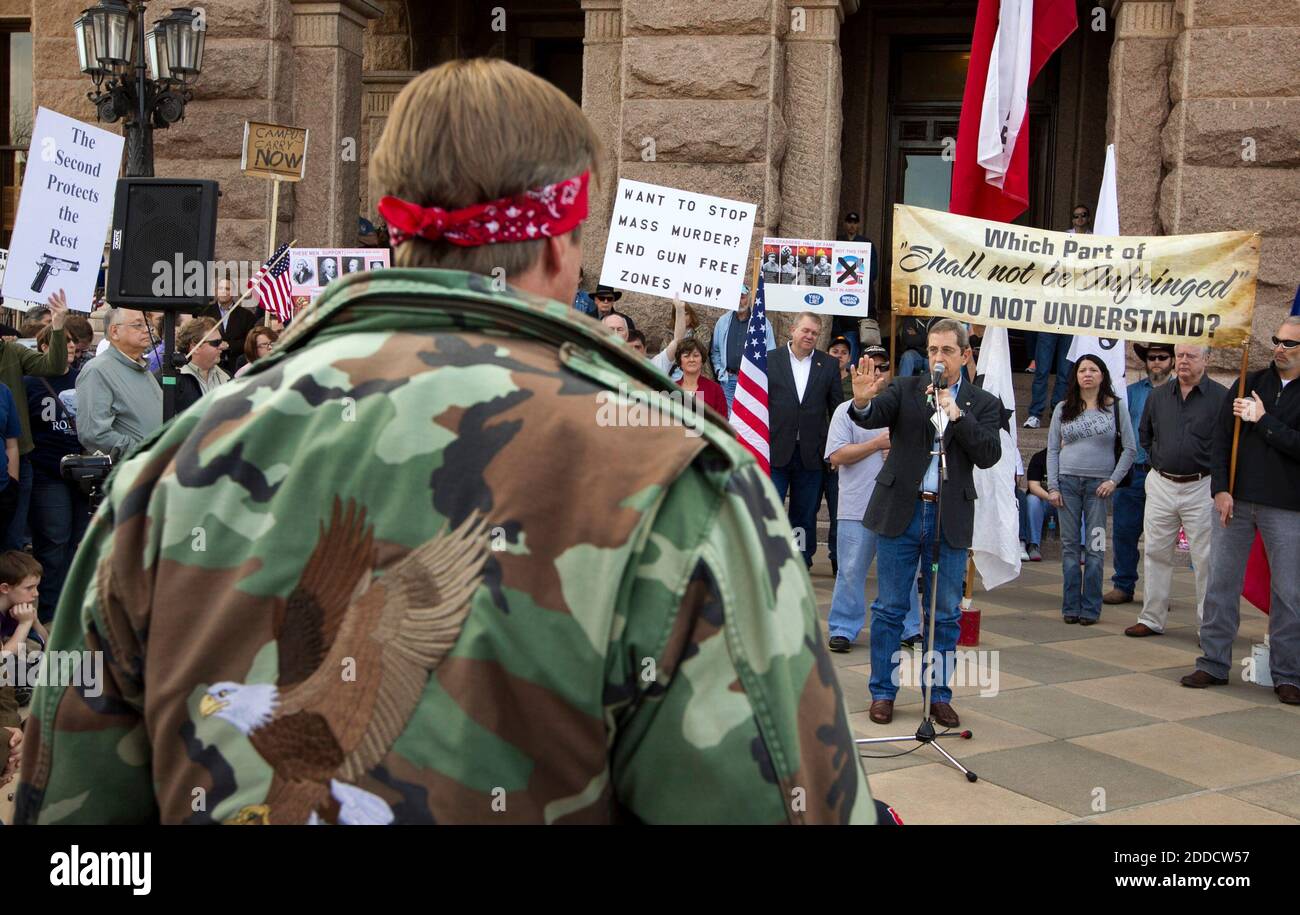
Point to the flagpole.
(225, 315)
(1236, 425)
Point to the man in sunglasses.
(1130, 501)
(1263, 497)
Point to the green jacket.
(17, 360)
(406, 570)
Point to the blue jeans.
(856, 550)
(896, 563)
(1050, 354)
(831, 489)
(15, 538)
(805, 486)
(1082, 597)
(1130, 508)
(911, 363)
(729, 388)
(59, 515)
(1033, 512)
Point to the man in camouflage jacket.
(365, 583)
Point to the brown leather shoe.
(1287, 693)
(881, 711)
(944, 715)
(1141, 631)
(1116, 596)
(1200, 679)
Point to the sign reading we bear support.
(667, 242)
(64, 212)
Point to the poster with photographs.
(312, 269)
(825, 277)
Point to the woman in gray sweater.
(1085, 464)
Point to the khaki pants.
(1169, 506)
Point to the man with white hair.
(118, 401)
(1177, 431)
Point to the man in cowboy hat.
(605, 297)
(1130, 501)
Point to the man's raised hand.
(868, 381)
(58, 304)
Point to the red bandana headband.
(543, 212)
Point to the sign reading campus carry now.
(1172, 289)
(274, 151)
(668, 243)
(64, 211)
(824, 277)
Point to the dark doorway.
(542, 36)
(927, 79)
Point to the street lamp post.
(112, 47)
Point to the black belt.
(1182, 478)
(928, 496)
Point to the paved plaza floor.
(1087, 725)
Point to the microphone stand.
(925, 734)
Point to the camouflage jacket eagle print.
(400, 572)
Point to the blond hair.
(471, 131)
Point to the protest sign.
(274, 151)
(312, 269)
(824, 277)
(668, 242)
(64, 212)
(19, 304)
(1171, 289)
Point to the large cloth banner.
(1172, 289)
(824, 277)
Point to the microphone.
(936, 379)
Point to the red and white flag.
(749, 416)
(1012, 41)
(272, 285)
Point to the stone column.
(379, 89)
(1231, 146)
(327, 53)
(602, 90)
(1139, 106)
(813, 116)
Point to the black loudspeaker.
(164, 237)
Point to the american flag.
(749, 407)
(272, 285)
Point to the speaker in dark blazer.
(806, 420)
(970, 442)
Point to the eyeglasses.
(1158, 357)
(1080, 215)
(138, 325)
(1289, 344)
(215, 344)
(604, 298)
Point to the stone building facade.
(808, 108)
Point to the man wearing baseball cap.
(1131, 500)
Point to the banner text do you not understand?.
(1174, 289)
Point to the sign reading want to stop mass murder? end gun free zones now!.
(667, 242)
(824, 277)
(64, 212)
(1168, 289)
(274, 151)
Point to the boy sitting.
(20, 576)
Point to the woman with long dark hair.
(1090, 449)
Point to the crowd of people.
(1154, 459)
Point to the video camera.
(51, 264)
(88, 473)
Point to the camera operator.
(59, 510)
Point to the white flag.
(996, 542)
(1106, 222)
(1006, 91)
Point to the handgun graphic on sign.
(846, 273)
(51, 264)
